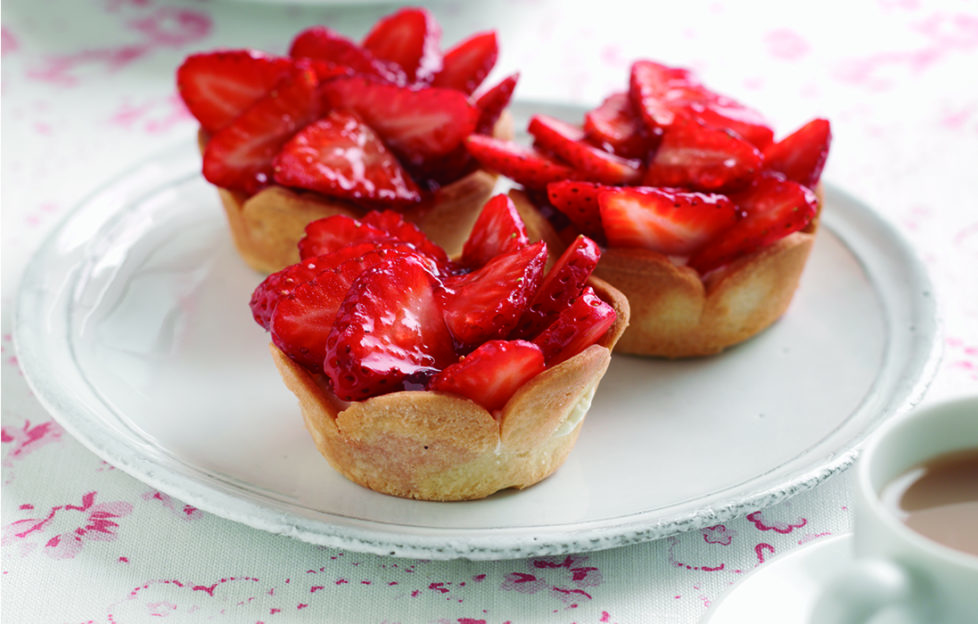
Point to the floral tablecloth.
(88, 89)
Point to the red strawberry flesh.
(216, 87)
(523, 165)
(664, 220)
(410, 38)
(340, 156)
(498, 229)
(488, 303)
(389, 332)
(577, 327)
(241, 154)
(491, 374)
(773, 208)
(465, 66)
(567, 142)
(801, 155)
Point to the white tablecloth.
(88, 89)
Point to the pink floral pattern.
(91, 522)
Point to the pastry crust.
(677, 313)
(438, 446)
(267, 226)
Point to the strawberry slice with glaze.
(404, 231)
(319, 42)
(488, 302)
(491, 374)
(695, 155)
(564, 282)
(523, 165)
(302, 320)
(648, 84)
(240, 155)
(772, 208)
(801, 155)
(330, 234)
(344, 237)
(568, 143)
(465, 66)
(416, 124)
(389, 332)
(493, 102)
(498, 229)
(578, 201)
(616, 127)
(216, 87)
(340, 156)
(661, 94)
(577, 327)
(282, 283)
(409, 38)
(668, 221)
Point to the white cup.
(898, 575)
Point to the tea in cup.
(915, 533)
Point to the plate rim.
(474, 543)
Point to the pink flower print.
(173, 27)
(27, 439)
(566, 579)
(778, 526)
(786, 44)
(96, 524)
(182, 511)
(718, 534)
(8, 41)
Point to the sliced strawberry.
(488, 302)
(773, 207)
(410, 38)
(319, 42)
(648, 82)
(417, 124)
(568, 143)
(240, 155)
(408, 233)
(345, 237)
(498, 229)
(521, 164)
(668, 221)
(327, 235)
(493, 102)
(491, 374)
(617, 128)
(801, 155)
(467, 64)
(564, 282)
(577, 327)
(438, 172)
(302, 320)
(339, 156)
(578, 201)
(695, 155)
(723, 112)
(282, 283)
(216, 87)
(662, 93)
(389, 332)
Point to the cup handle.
(864, 589)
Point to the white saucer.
(784, 590)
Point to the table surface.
(88, 90)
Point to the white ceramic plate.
(785, 589)
(134, 331)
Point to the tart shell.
(441, 447)
(677, 313)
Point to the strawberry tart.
(706, 218)
(433, 378)
(338, 127)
